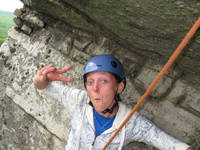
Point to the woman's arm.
(145, 131)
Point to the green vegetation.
(6, 22)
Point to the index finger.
(65, 69)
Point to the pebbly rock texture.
(151, 28)
(142, 34)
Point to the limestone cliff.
(142, 34)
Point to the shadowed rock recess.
(141, 33)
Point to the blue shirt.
(101, 123)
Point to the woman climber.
(97, 112)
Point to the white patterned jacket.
(82, 134)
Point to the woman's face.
(101, 88)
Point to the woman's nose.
(95, 86)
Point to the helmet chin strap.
(108, 110)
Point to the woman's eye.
(89, 83)
(103, 81)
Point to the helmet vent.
(99, 65)
(114, 64)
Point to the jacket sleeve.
(145, 131)
(71, 98)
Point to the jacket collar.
(123, 111)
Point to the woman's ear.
(120, 87)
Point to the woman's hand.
(190, 148)
(50, 73)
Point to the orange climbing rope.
(173, 57)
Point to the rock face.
(142, 34)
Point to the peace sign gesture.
(50, 73)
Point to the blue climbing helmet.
(106, 63)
